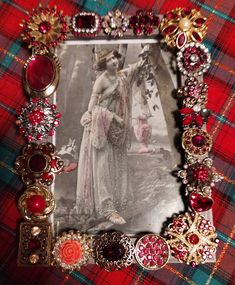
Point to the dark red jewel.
(34, 244)
(37, 163)
(85, 22)
(40, 72)
(193, 239)
(198, 140)
(113, 251)
(200, 203)
(44, 27)
(36, 204)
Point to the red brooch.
(38, 120)
(71, 250)
(37, 203)
(144, 22)
(38, 164)
(196, 142)
(44, 27)
(35, 244)
(152, 252)
(183, 25)
(193, 59)
(85, 24)
(113, 251)
(192, 238)
(193, 93)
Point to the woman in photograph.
(103, 190)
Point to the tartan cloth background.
(220, 78)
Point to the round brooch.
(192, 238)
(152, 252)
(113, 251)
(72, 250)
(193, 59)
(144, 22)
(38, 119)
(196, 142)
(198, 174)
(44, 27)
(38, 164)
(41, 74)
(183, 25)
(37, 203)
(115, 24)
(193, 93)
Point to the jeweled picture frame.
(124, 184)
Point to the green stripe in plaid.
(225, 238)
(14, 49)
(202, 274)
(83, 279)
(216, 12)
(101, 7)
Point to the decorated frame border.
(190, 237)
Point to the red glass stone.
(47, 177)
(138, 30)
(34, 244)
(198, 140)
(36, 204)
(85, 22)
(201, 173)
(181, 40)
(196, 36)
(133, 21)
(37, 163)
(199, 21)
(155, 21)
(113, 252)
(193, 239)
(148, 30)
(170, 29)
(36, 116)
(44, 27)
(187, 11)
(171, 16)
(40, 72)
(188, 120)
(200, 203)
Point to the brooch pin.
(193, 59)
(115, 24)
(41, 74)
(196, 142)
(192, 238)
(35, 244)
(44, 27)
(72, 250)
(152, 252)
(183, 25)
(144, 22)
(194, 94)
(85, 24)
(38, 164)
(37, 203)
(38, 119)
(113, 251)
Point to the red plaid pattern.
(220, 79)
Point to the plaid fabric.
(220, 78)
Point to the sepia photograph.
(116, 138)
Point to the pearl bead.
(185, 24)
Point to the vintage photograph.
(116, 138)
